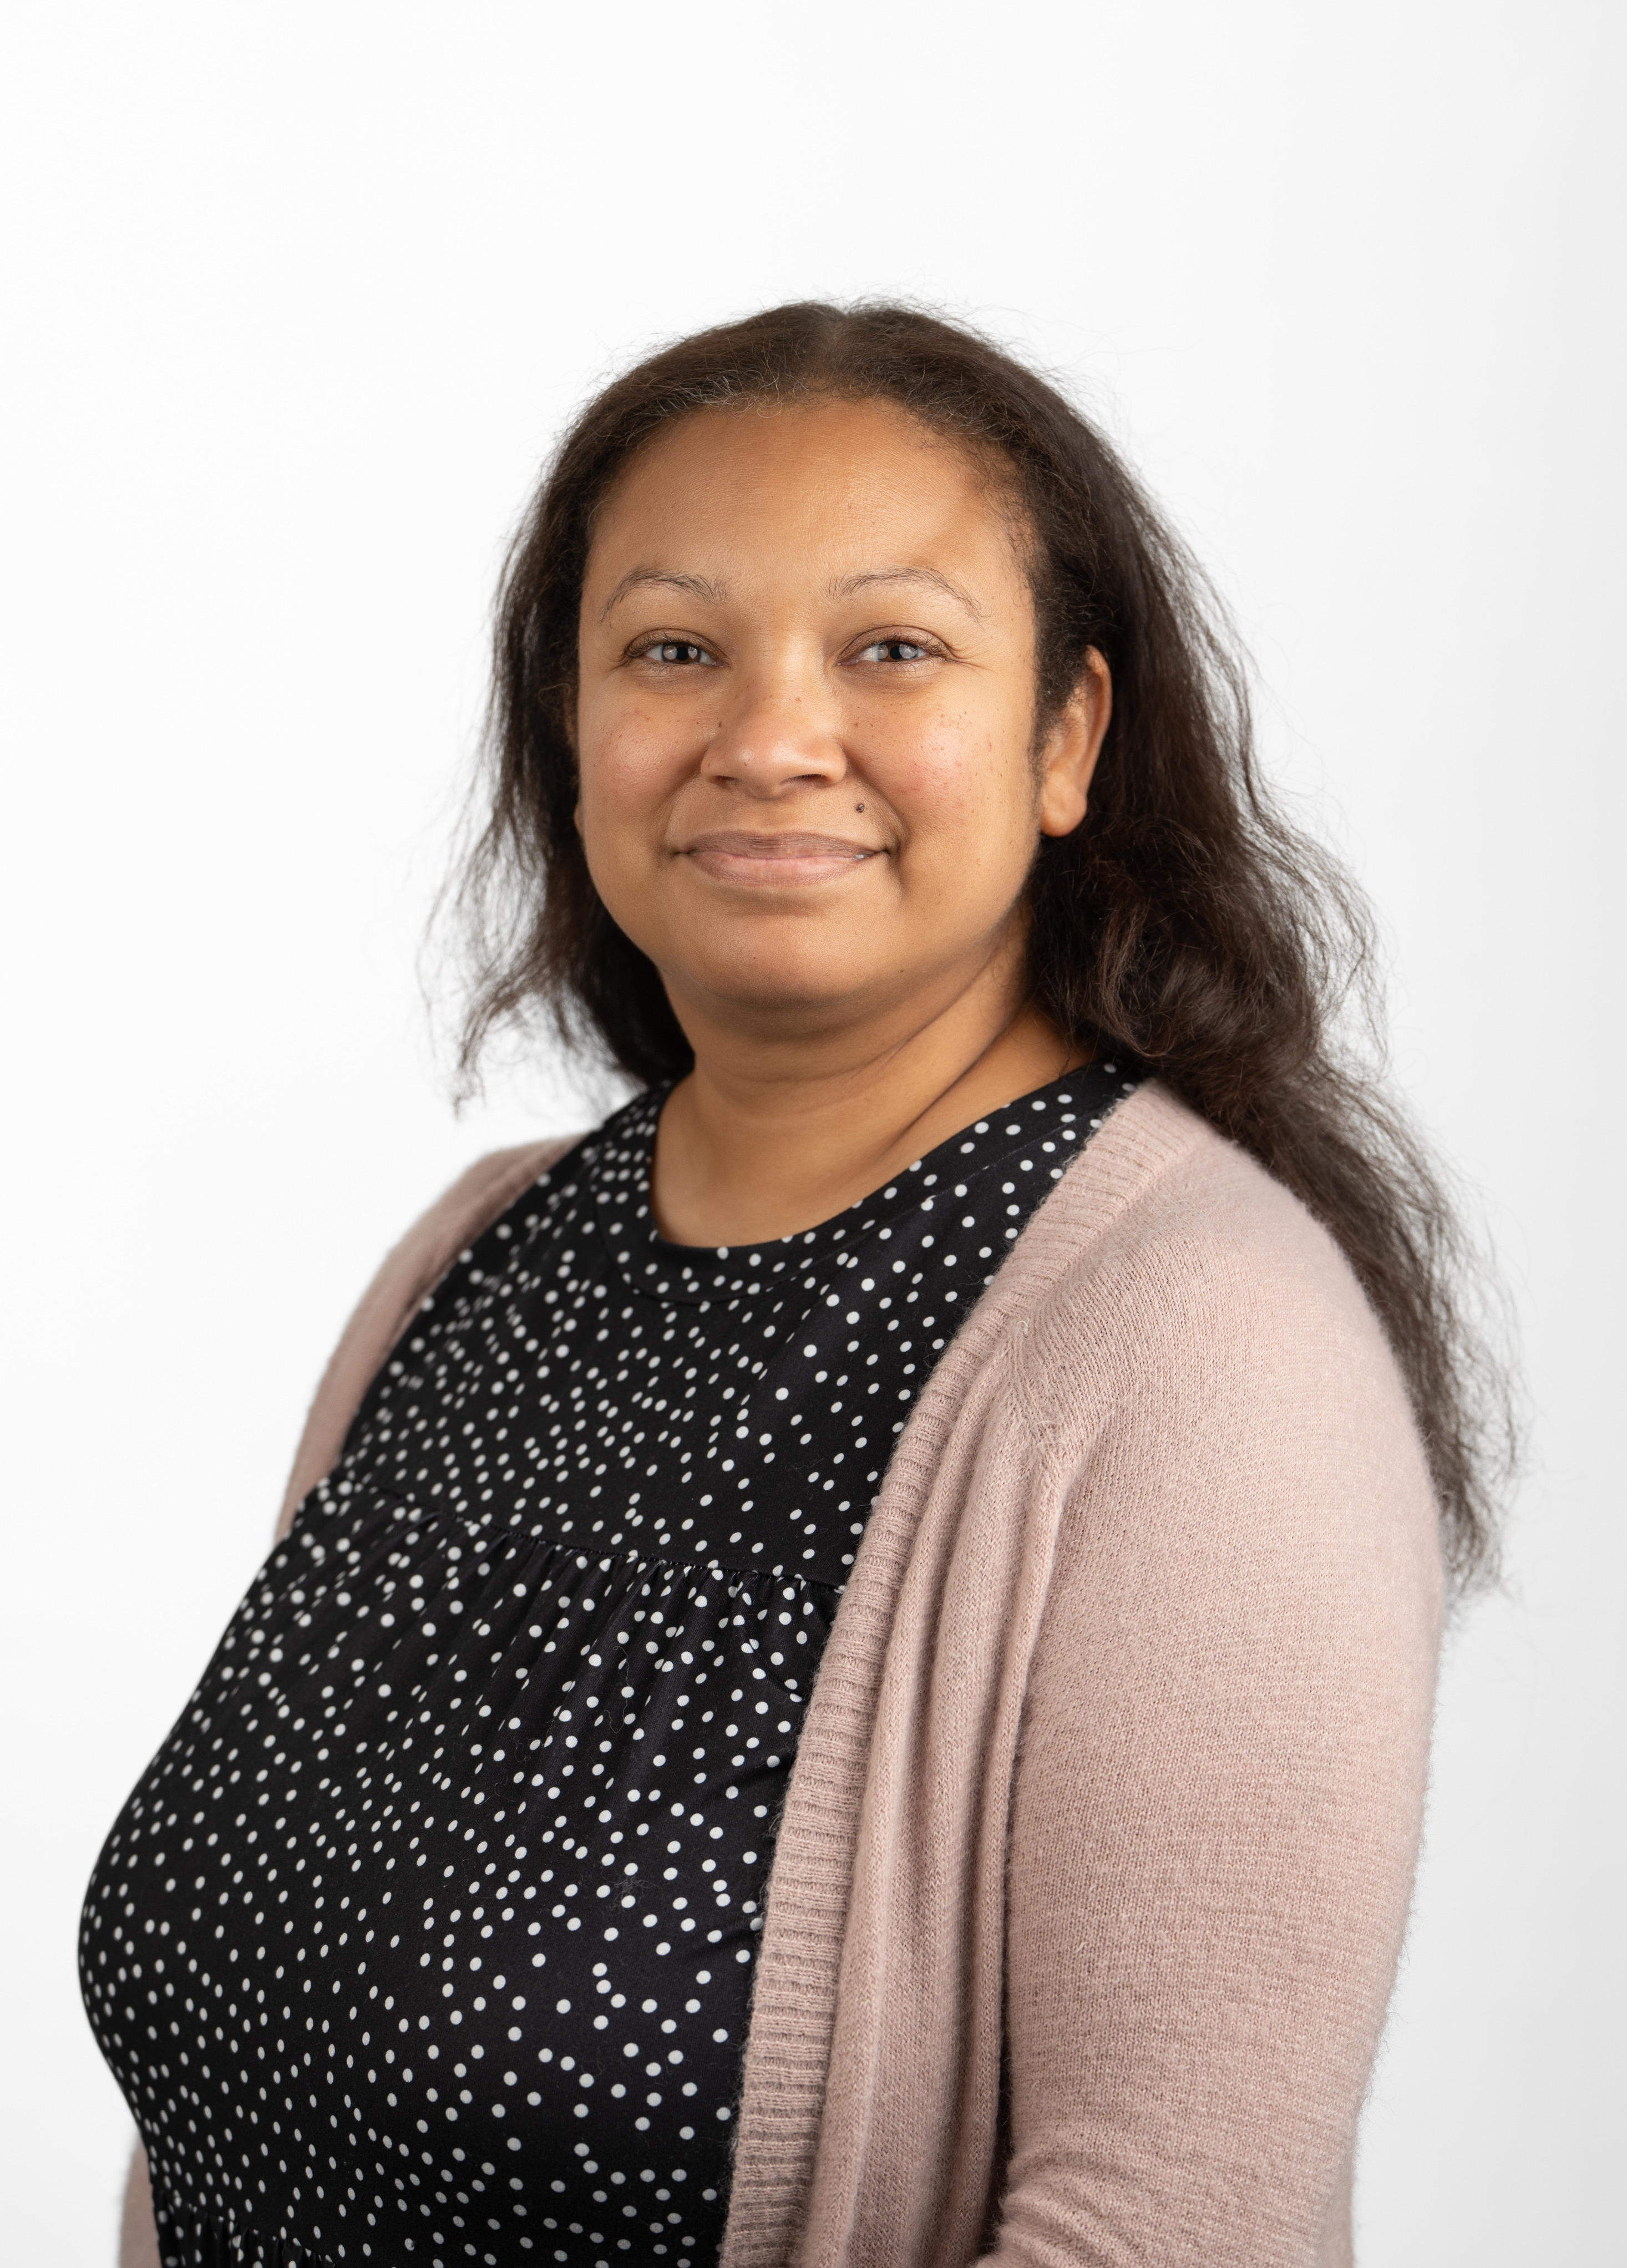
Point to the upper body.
(1083, 1820)
(1152, 1580)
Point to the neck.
(772, 1134)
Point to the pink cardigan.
(1110, 1784)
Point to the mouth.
(776, 861)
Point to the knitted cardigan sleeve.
(1096, 1855)
(1218, 1785)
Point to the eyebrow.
(851, 584)
(695, 585)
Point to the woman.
(847, 1672)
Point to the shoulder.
(412, 1267)
(1193, 1325)
(1164, 1240)
(407, 1274)
(1220, 1398)
(474, 1200)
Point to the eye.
(894, 649)
(680, 653)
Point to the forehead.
(825, 486)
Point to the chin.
(799, 989)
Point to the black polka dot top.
(428, 1935)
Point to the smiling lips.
(775, 860)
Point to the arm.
(1217, 1800)
(138, 2235)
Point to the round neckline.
(700, 1275)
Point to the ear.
(1068, 756)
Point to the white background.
(297, 297)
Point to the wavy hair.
(1185, 923)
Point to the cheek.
(628, 763)
(959, 787)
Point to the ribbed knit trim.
(793, 2012)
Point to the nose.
(778, 733)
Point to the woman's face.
(805, 725)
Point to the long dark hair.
(1184, 923)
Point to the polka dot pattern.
(428, 1935)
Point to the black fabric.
(428, 1935)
